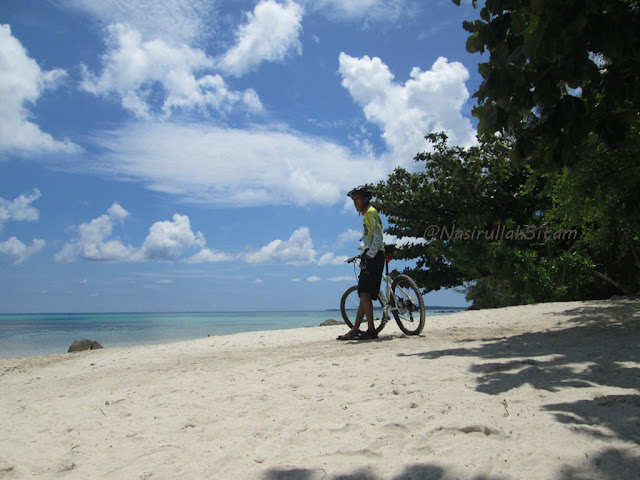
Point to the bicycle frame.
(400, 297)
(388, 293)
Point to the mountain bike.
(401, 297)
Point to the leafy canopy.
(558, 72)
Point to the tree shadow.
(610, 464)
(594, 345)
(415, 472)
(598, 348)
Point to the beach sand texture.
(547, 391)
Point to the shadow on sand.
(416, 472)
(600, 347)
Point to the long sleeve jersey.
(372, 237)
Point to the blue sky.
(172, 155)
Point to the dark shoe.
(368, 335)
(350, 335)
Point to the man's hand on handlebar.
(363, 260)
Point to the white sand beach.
(548, 391)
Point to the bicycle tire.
(410, 311)
(349, 305)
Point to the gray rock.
(80, 345)
(330, 322)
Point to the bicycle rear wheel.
(349, 306)
(407, 305)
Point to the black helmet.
(360, 190)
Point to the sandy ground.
(548, 391)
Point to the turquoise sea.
(23, 335)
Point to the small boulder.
(80, 345)
(330, 322)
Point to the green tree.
(562, 84)
(600, 196)
(558, 73)
(463, 202)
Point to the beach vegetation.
(558, 127)
(479, 190)
(558, 75)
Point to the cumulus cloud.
(207, 255)
(93, 241)
(297, 250)
(270, 34)
(431, 100)
(139, 71)
(166, 241)
(330, 259)
(18, 252)
(313, 279)
(22, 83)
(20, 209)
(233, 167)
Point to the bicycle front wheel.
(349, 307)
(407, 305)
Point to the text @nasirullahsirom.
(501, 232)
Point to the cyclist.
(371, 266)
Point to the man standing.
(371, 266)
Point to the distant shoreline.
(208, 312)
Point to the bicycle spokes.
(408, 305)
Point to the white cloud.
(176, 21)
(207, 255)
(331, 259)
(349, 236)
(20, 208)
(270, 34)
(21, 85)
(297, 250)
(18, 252)
(429, 101)
(139, 71)
(166, 241)
(92, 242)
(313, 279)
(232, 167)
(367, 10)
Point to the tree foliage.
(558, 73)
(558, 112)
(600, 195)
(476, 219)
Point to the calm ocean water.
(24, 335)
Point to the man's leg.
(365, 309)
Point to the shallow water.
(24, 335)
